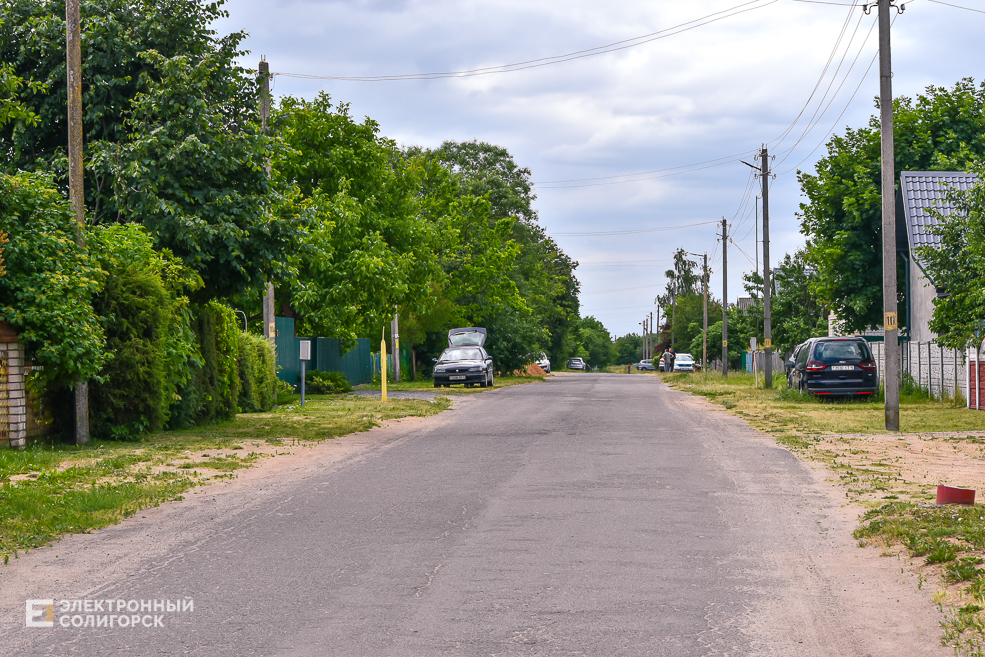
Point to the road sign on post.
(304, 346)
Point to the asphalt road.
(592, 514)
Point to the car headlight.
(475, 369)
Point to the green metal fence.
(356, 364)
(326, 356)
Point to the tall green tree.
(171, 125)
(366, 248)
(943, 129)
(543, 273)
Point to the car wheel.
(437, 385)
(492, 380)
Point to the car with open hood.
(465, 361)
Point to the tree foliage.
(49, 281)
(365, 248)
(944, 129)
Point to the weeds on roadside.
(46, 492)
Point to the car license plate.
(842, 368)
(456, 378)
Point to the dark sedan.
(835, 367)
(468, 366)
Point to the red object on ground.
(951, 495)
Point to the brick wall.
(13, 397)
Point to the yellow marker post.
(383, 366)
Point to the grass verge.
(892, 475)
(46, 492)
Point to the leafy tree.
(543, 273)
(944, 129)
(115, 33)
(797, 314)
(171, 124)
(594, 343)
(628, 349)
(958, 265)
(49, 281)
(366, 248)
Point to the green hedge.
(212, 391)
(257, 374)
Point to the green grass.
(46, 492)
(780, 410)
(952, 538)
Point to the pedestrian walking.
(669, 359)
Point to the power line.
(618, 289)
(938, 2)
(631, 232)
(724, 160)
(814, 122)
(555, 59)
(835, 124)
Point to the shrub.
(47, 288)
(326, 383)
(257, 374)
(212, 391)
(147, 333)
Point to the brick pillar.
(15, 396)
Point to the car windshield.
(833, 352)
(460, 354)
(684, 357)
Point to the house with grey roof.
(921, 191)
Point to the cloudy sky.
(647, 134)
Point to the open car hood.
(467, 337)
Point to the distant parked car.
(684, 363)
(544, 363)
(577, 364)
(646, 365)
(835, 367)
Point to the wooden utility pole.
(269, 308)
(395, 349)
(704, 334)
(764, 163)
(76, 183)
(724, 297)
(891, 364)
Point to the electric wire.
(835, 124)
(728, 159)
(815, 122)
(948, 4)
(834, 50)
(818, 111)
(605, 233)
(555, 59)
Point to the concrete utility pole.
(269, 309)
(891, 365)
(704, 334)
(764, 163)
(76, 183)
(724, 297)
(652, 341)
